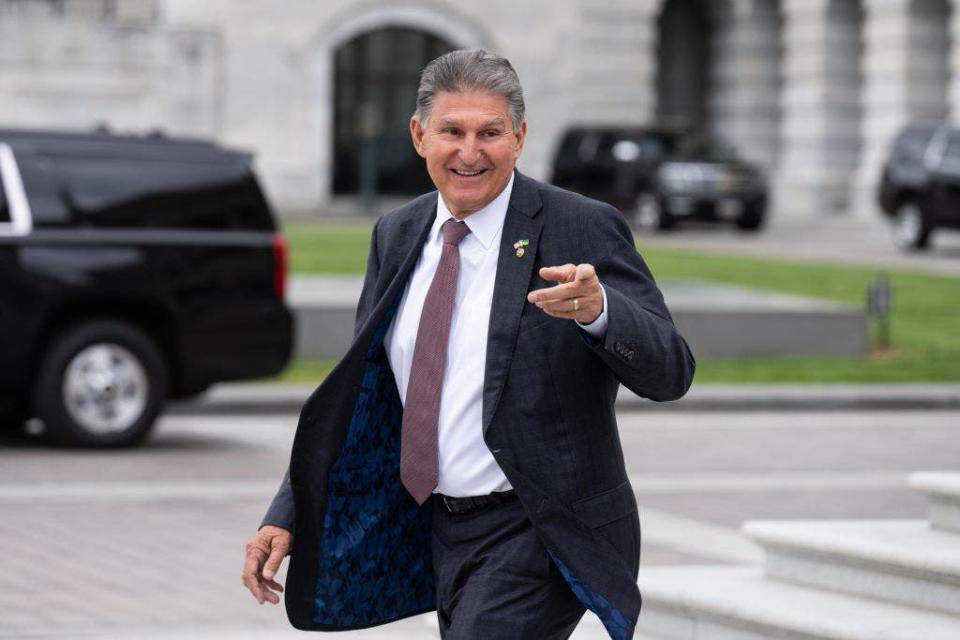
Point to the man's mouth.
(468, 174)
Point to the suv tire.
(100, 383)
(650, 215)
(911, 226)
(751, 219)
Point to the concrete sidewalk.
(260, 398)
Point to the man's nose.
(469, 150)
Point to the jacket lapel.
(405, 244)
(510, 288)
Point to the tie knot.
(454, 232)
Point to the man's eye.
(450, 131)
(490, 134)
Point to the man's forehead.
(473, 105)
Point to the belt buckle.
(446, 504)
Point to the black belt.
(469, 504)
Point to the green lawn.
(925, 323)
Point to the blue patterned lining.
(374, 563)
(618, 626)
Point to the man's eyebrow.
(493, 122)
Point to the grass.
(925, 319)
(328, 248)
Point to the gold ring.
(576, 304)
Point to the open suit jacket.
(361, 547)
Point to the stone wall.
(812, 90)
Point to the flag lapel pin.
(519, 245)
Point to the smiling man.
(464, 454)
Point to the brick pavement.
(148, 543)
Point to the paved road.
(843, 240)
(148, 543)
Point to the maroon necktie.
(421, 410)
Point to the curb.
(265, 399)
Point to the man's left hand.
(577, 296)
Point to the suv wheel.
(650, 215)
(751, 219)
(100, 384)
(911, 228)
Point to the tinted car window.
(163, 193)
(951, 154)
(4, 210)
(697, 146)
(45, 192)
(588, 147)
(912, 144)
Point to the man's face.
(470, 148)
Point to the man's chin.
(463, 204)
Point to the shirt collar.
(484, 223)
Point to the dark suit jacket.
(361, 551)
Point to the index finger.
(562, 273)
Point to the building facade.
(811, 90)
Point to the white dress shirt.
(466, 466)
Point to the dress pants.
(494, 578)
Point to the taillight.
(279, 266)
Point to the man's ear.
(521, 138)
(416, 134)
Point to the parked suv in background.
(920, 184)
(132, 270)
(661, 176)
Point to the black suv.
(661, 175)
(132, 270)
(920, 185)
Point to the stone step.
(942, 490)
(900, 561)
(737, 603)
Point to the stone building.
(812, 90)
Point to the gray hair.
(468, 70)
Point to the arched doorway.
(375, 86)
(683, 71)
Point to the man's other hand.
(265, 551)
(577, 296)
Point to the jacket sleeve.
(281, 511)
(641, 346)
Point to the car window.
(951, 154)
(44, 191)
(912, 144)
(587, 149)
(14, 209)
(699, 146)
(134, 192)
(654, 148)
(4, 208)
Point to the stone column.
(953, 63)
(820, 130)
(744, 102)
(905, 80)
(615, 78)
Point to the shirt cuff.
(597, 328)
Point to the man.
(464, 455)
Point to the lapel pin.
(519, 245)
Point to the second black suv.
(132, 270)
(661, 175)
(920, 184)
